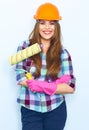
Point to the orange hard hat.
(47, 11)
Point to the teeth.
(47, 32)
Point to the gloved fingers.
(63, 79)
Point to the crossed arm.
(59, 86)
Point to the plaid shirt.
(41, 102)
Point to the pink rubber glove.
(42, 86)
(46, 87)
(63, 79)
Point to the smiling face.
(46, 29)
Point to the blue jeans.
(53, 120)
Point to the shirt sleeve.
(21, 67)
(67, 67)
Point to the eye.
(42, 22)
(52, 22)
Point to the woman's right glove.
(47, 87)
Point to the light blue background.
(16, 22)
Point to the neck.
(45, 47)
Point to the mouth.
(47, 32)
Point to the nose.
(47, 26)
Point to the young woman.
(42, 99)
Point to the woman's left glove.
(42, 86)
(46, 87)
